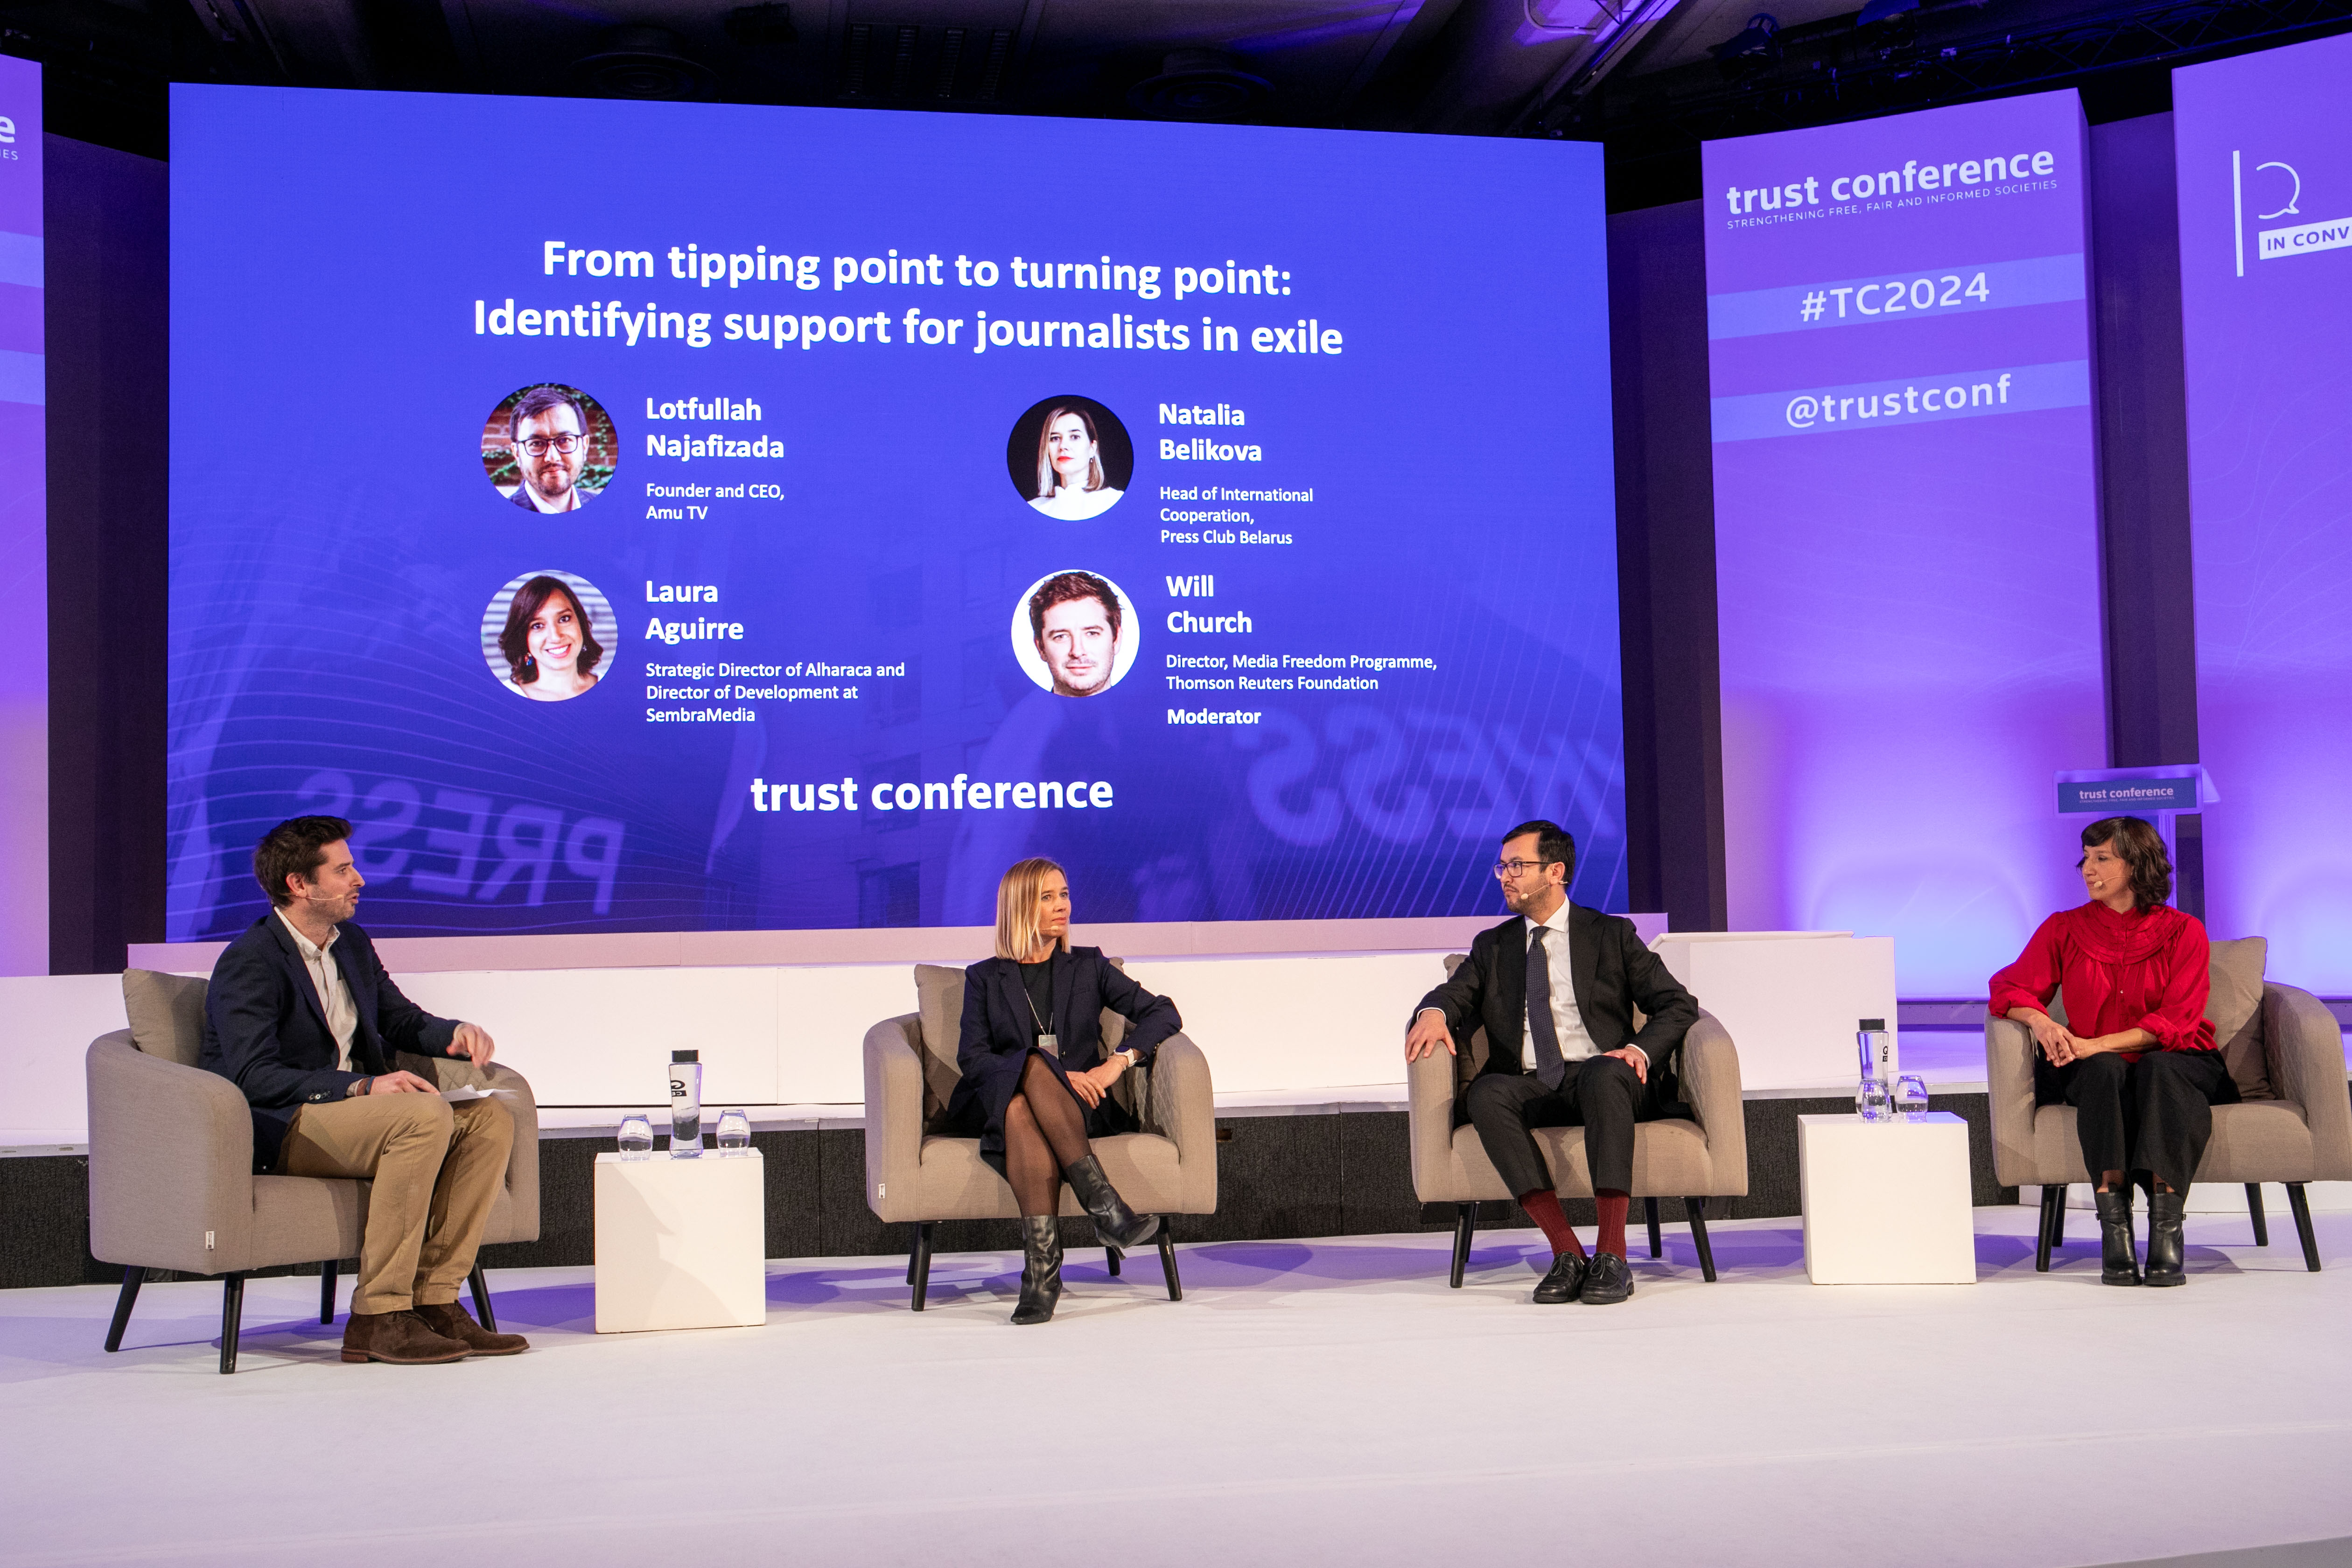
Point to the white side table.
(680, 1244)
(1886, 1204)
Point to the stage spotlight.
(1758, 45)
(1884, 11)
(642, 62)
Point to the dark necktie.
(1551, 1068)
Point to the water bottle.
(1870, 1100)
(685, 1104)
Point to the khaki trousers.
(436, 1168)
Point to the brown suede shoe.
(401, 1339)
(453, 1321)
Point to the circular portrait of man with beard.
(549, 448)
(1075, 633)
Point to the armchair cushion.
(2234, 1007)
(167, 1014)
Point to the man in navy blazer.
(1555, 988)
(301, 1016)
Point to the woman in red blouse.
(2136, 1057)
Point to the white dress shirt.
(1567, 1019)
(327, 978)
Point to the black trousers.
(2154, 1114)
(1600, 1094)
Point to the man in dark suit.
(1562, 1051)
(301, 1016)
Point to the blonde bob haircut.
(1016, 908)
(1048, 480)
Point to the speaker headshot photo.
(1070, 457)
(549, 448)
(546, 634)
(1075, 633)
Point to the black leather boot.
(2118, 1264)
(1115, 1223)
(1041, 1268)
(2164, 1211)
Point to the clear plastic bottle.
(685, 1104)
(1870, 1098)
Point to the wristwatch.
(1128, 1052)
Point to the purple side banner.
(2264, 157)
(23, 534)
(1906, 526)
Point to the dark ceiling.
(1650, 78)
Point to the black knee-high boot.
(2164, 1212)
(1115, 1223)
(2118, 1264)
(1041, 1268)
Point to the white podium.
(1790, 998)
(1886, 1202)
(680, 1244)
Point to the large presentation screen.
(2263, 153)
(1906, 526)
(661, 517)
(24, 533)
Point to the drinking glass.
(734, 1132)
(1870, 1100)
(1910, 1099)
(636, 1138)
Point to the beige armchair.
(1693, 1161)
(916, 1177)
(2292, 1125)
(171, 1166)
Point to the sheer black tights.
(1044, 1131)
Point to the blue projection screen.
(675, 517)
(1906, 526)
(2264, 159)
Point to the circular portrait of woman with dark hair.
(547, 634)
(550, 447)
(1070, 457)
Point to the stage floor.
(1307, 1403)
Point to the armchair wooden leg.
(327, 1291)
(1110, 1260)
(479, 1284)
(1696, 1209)
(2053, 1207)
(1168, 1262)
(918, 1268)
(1649, 1211)
(132, 1278)
(2302, 1208)
(232, 1314)
(2254, 1207)
(1465, 1225)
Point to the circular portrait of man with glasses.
(550, 447)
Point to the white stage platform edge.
(1308, 1402)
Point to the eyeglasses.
(1507, 869)
(536, 446)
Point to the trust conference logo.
(2275, 181)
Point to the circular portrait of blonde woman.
(547, 636)
(1070, 457)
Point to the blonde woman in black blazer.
(1036, 1085)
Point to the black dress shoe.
(2164, 1212)
(1608, 1280)
(1566, 1279)
(2117, 1263)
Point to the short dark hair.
(295, 847)
(515, 641)
(2142, 848)
(1553, 842)
(539, 400)
(1064, 587)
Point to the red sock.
(1543, 1207)
(1611, 1205)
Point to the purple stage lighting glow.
(1906, 526)
(23, 534)
(2264, 160)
